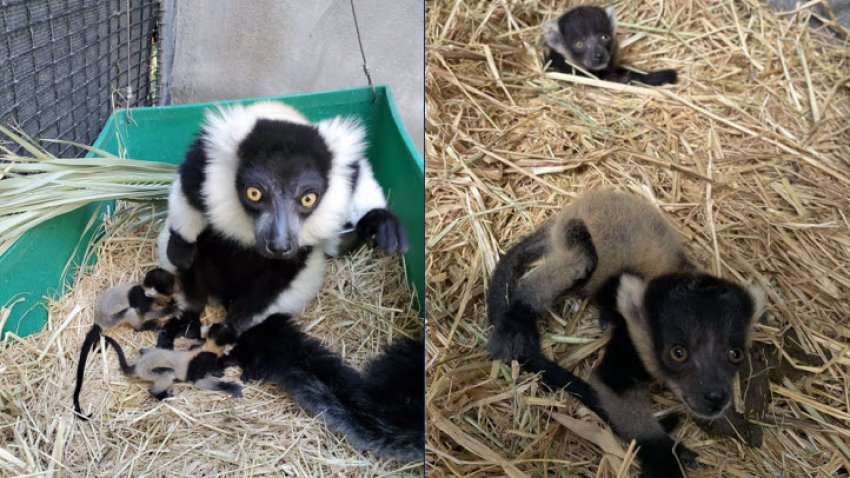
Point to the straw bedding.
(749, 156)
(363, 306)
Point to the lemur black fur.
(380, 410)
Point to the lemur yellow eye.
(579, 45)
(308, 200)
(605, 38)
(254, 194)
(736, 355)
(678, 354)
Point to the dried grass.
(750, 158)
(364, 305)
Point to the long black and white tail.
(515, 335)
(380, 410)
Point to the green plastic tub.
(42, 263)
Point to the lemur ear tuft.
(612, 17)
(553, 39)
(630, 295)
(759, 298)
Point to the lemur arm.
(375, 224)
(620, 383)
(617, 75)
(182, 227)
(652, 78)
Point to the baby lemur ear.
(630, 295)
(759, 299)
(612, 17)
(553, 39)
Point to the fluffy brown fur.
(672, 323)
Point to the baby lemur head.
(585, 36)
(691, 331)
(160, 284)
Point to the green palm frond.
(36, 186)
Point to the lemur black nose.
(716, 398)
(280, 249)
(599, 55)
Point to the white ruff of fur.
(301, 291)
(630, 297)
(345, 138)
(162, 248)
(183, 218)
(225, 129)
(368, 194)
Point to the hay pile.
(364, 305)
(749, 156)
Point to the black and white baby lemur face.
(585, 35)
(281, 180)
(695, 335)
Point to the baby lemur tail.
(88, 344)
(381, 410)
(514, 320)
(122, 360)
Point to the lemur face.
(699, 328)
(281, 180)
(585, 36)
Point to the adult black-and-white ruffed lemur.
(262, 196)
(261, 199)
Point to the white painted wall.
(236, 49)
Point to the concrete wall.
(840, 8)
(234, 49)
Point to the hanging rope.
(362, 53)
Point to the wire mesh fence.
(65, 65)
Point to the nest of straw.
(363, 306)
(749, 156)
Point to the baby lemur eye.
(736, 355)
(605, 38)
(678, 354)
(254, 194)
(308, 200)
(579, 45)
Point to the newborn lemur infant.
(671, 322)
(586, 37)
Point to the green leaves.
(39, 187)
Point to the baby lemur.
(671, 322)
(140, 305)
(586, 37)
(201, 365)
